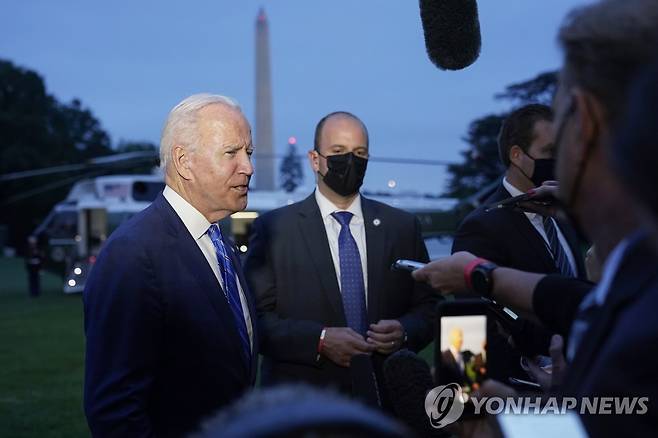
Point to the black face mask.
(345, 174)
(544, 170)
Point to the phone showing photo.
(461, 344)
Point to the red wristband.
(469, 269)
(321, 342)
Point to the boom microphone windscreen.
(452, 32)
(408, 380)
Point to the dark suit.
(507, 238)
(290, 269)
(617, 356)
(450, 371)
(163, 351)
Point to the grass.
(42, 357)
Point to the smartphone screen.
(463, 357)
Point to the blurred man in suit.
(321, 271)
(516, 239)
(525, 241)
(168, 316)
(454, 359)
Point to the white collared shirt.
(357, 228)
(537, 221)
(198, 225)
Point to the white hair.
(181, 125)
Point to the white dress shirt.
(537, 221)
(357, 228)
(198, 225)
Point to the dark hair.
(519, 128)
(298, 410)
(605, 45)
(320, 125)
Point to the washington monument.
(264, 172)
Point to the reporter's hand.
(542, 200)
(386, 336)
(549, 380)
(341, 343)
(446, 275)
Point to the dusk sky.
(131, 61)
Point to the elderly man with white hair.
(168, 317)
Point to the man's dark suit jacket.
(507, 238)
(449, 368)
(163, 350)
(290, 269)
(618, 353)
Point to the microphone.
(408, 380)
(452, 32)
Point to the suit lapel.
(631, 278)
(375, 249)
(314, 235)
(197, 265)
(521, 223)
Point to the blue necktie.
(351, 276)
(559, 254)
(230, 287)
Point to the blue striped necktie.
(558, 252)
(231, 291)
(351, 276)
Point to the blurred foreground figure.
(300, 411)
(606, 44)
(168, 316)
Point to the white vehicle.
(77, 227)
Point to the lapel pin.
(376, 222)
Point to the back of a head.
(518, 129)
(605, 45)
(298, 410)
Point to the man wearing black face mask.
(525, 241)
(321, 273)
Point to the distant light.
(292, 140)
(243, 248)
(77, 271)
(245, 215)
(78, 238)
(392, 184)
(72, 283)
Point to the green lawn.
(42, 357)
